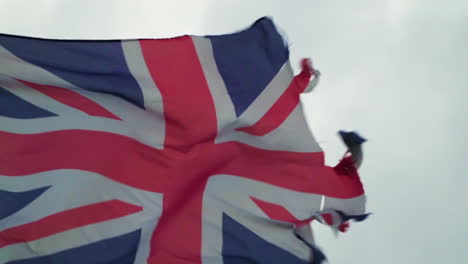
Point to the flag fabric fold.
(193, 149)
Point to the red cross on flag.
(184, 150)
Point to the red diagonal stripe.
(328, 218)
(282, 108)
(66, 220)
(119, 158)
(278, 212)
(189, 110)
(72, 99)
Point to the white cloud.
(100, 19)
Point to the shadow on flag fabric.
(184, 150)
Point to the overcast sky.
(395, 70)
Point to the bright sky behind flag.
(395, 70)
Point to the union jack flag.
(184, 150)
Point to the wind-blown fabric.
(184, 150)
